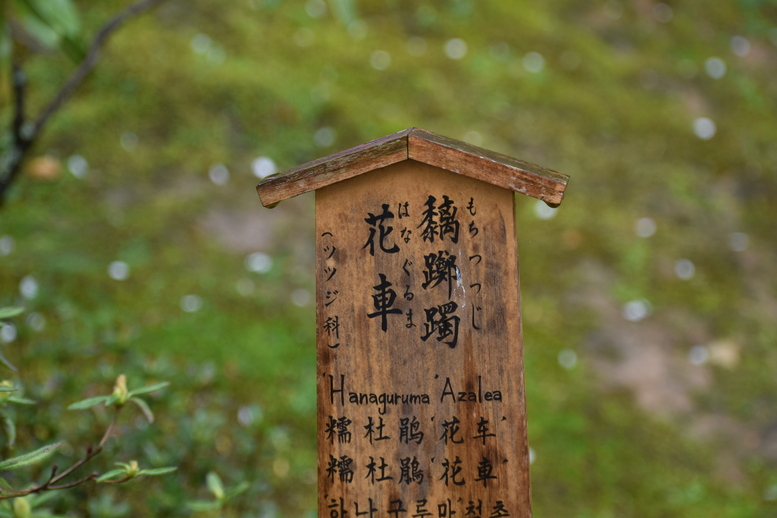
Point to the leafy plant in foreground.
(56, 480)
(221, 496)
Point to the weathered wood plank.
(334, 168)
(487, 166)
(419, 350)
(425, 147)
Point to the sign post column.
(420, 373)
(420, 380)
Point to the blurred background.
(136, 242)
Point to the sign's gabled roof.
(422, 146)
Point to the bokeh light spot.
(36, 321)
(118, 270)
(636, 310)
(456, 48)
(704, 128)
(738, 241)
(533, 62)
(8, 333)
(645, 227)
(218, 174)
(201, 43)
(301, 297)
(191, 303)
(698, 355)
(325, 137)
(246, 287)
(28, 287)
(263, 166)
(249, 415)
(543, 211)
(715, 68)
(740, 46)
(78, 166)
(380, 60)
(258, 262)
(315, 8)
(6, 245)
(281, 467)
(567, 358)
(129, 141)
(684, 269)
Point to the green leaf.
(150, 388)
(155, 472)
(8, 364)
(5, 388)
(54, 23)
(39, 499)
(109, 400)
(9, 312)
(114, 473)
(203, 505)
(214, 484)
(88, 403)
(144, 407)
(21, 400)
(35, 27)
(29, 458)
(10, 432)
(232, 493)
(61, 15)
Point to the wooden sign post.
(421, 409)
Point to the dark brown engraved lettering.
(420, 509)
(377, 226)
(384, 302)
(485, 472)
(452, 472)
(395, 507)
(410, 471)
(374, 432)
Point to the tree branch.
(19, 82)
(88, 63)
(21, 141)
(25, 134)
(51, 483)
(75, 483)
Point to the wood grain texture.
(488, 166)
(334, 168)
(419, 348)
(425, 147)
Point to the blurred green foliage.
(649, 296)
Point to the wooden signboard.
(421, 409)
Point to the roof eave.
(423, 146)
